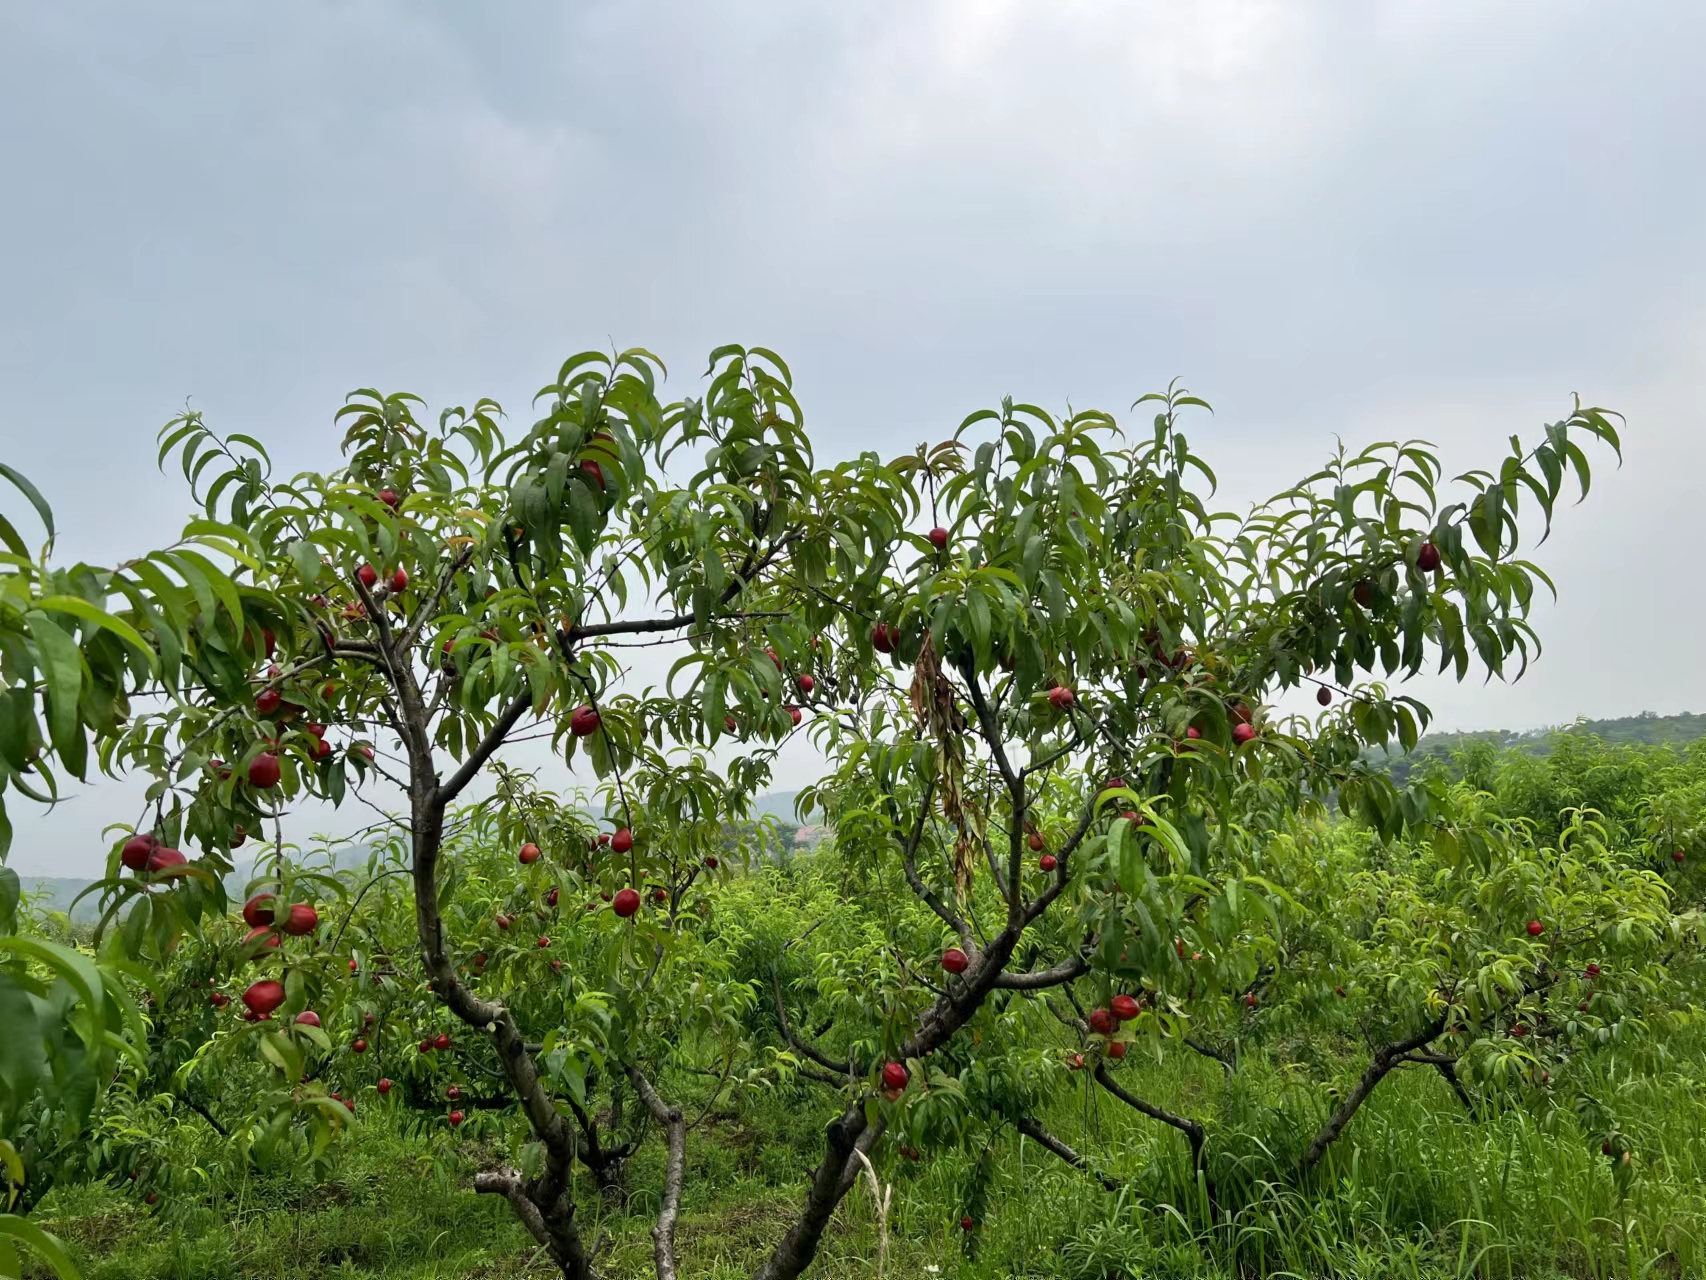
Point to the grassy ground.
(1418, 1189)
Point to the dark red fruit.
(1116, 1049)
(882, 638)
(263, 771)
(1363, 593)
(358, 1045)
(1192, 732)
(264, 996)
(301, 921)
(160, 859)
(584, 722)
(1035, 840)
(441, 1041)
(954, 960)
(543, 942)
(626, 902)
(399, 580)
(1250, 1000)
(895, 1075)
(966, 1224)
(711, 863)
(453, 1092)
(389, 498)
(1048, 862)
(1427, 557)
(794, 714)
(939, 538)
(384, 1086)
(1535, 928)
(806, 683)
(1123, 1007)
(1113, 784)
(456, 1117)
(529, 853)
(1242, 733)
(267, 701)
(660, 896)
(1324, 695)
(307, 1018)
(1060, 697)
(622, 841)
(367, 575)
(592, 469)
(1102, 1021)
(136, 850)
(1677, 855)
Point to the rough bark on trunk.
(675, 1165)
(543, 1204)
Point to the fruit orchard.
(1081, 823)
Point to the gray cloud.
(1363, 219)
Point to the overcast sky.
(1365, 219)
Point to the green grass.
(1418, 1189)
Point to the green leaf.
(33, 494)
(81, 608)
(39, 1242)
(62, 671)
(306, 556)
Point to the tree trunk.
(1385, 1059)
(833, 1179)
(675, 1165)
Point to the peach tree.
(1069, 750)
(386, 629)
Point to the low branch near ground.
(1225, 1057)
(1028, 1126)
(1385, 1058)
(1192, 1129)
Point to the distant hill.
(56, 893)
(1646, 729)
(778, 805)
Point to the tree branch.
(490, 743)
(1192, 1129)
(1386, 1057)
(1062, 973)
(1028, 1126)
